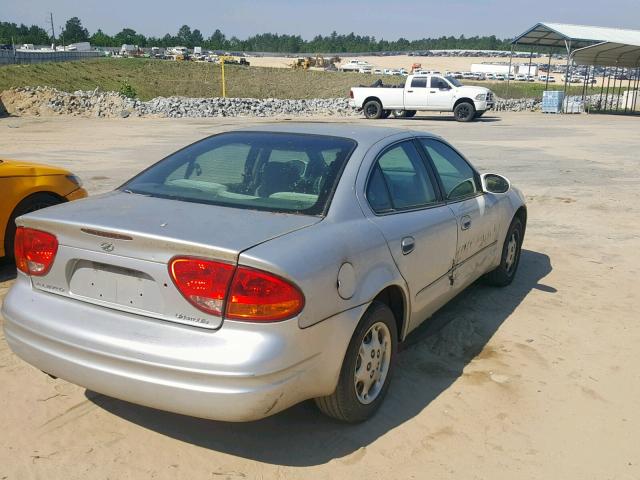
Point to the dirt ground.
(539, 380)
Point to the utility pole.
(53, 31)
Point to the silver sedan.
(259, 268)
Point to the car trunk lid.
(114, 249)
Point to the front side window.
(280, 172)
(457, 176)
(439, 83)
(400, 181)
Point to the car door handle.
(409, 91)
(407, 244)
(432, 91)
(465, 223)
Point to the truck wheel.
(372, 109)
(366, 369)
(479, 114)
(464, 112)
(386, 113)
(410, 113)
(399, 113)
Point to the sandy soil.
(539, 380)
(439, 64)
(453, 64)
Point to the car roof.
(363, 134)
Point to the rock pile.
(94, 103)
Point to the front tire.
(32, 203)
(510, 259)
(372, 109)
(464, 112)
(366, 369)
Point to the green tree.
(184, 36)
(101, 39)
(130, 37)
(74, 31)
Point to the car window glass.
(457, 176)
(419, 83)
(406, 177)
(437, 82)
(377, 192)
(276, 172)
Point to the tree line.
(265, 42)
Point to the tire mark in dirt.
(71, 414)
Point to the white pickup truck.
(423, 92)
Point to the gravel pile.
(94, 103)
(517, 105)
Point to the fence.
(9, 57)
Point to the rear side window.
(400, 171)
(418, 82)
(261, 170)
(457, 176)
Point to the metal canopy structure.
(607, 54)
(593, 47)
(569, 36)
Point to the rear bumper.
(240, 372)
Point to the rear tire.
(510, 259)
(370, 355)
(32, 203)
(464, 112)
(410, 113)
(372, 109)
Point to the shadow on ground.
(450, 118)
(433, 357)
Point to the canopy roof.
(577, 36)
(609, 54)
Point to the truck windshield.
(278, 172)
(453, 81)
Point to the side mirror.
(494, 183)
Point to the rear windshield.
(279, 172)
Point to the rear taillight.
(241, 293)
(202, 282)
(35, 251)
(350, 93)
(258, 296)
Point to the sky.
(388, 19)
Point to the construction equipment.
(318, 61)
(231, 60)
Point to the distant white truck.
(422, 92)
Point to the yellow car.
(25, 187)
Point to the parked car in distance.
(27, 187)
(423, 92)
(521, 77)
(258, 268)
